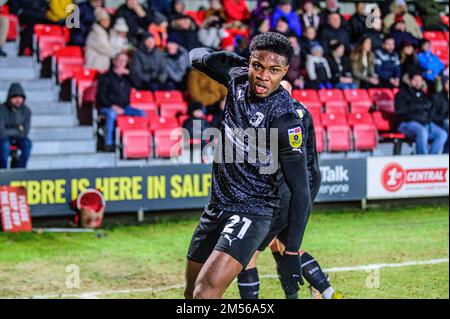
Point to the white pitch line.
(94, 294)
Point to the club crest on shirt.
(295, 138)
(256, 119)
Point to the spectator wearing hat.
(334, 30)
(415, 112)
(176, 62)
(113, 96)
(400, 35)
(408, 61)
(15, 119)
(138, 19)
(341, 73)
(147, 66)
(363, 64)
(99, 50)
(430, 63)
(310, 16)
(212, 33)
(118, 35)
(79, 35)
(387, 64)
(440, 109)
(284, 10)
(236, 10)
(399, 11)
(318, 69)
(185, 29)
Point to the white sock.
(328, 293)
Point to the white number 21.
(233, 221)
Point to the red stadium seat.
(305, 96)
(131, 123)
(168, 96)
(143, 100)
(67, 66)
(167, 142)
(69, 51)
(320, 138)
(48, 45)
(433, 35)
(4, 8)
(172, 109)
(13, 26)
(440, 48)
(336, 107)
(381, 122)
(85, 85)
(356, 95)
(183, 118)
(360, 106)
(383, 99)
(316, 115)
(445, 20)
(158, 122)
(330, 95)
(136, 143)
(360, 118)
(446, 35)
(334, 119)
(338, 138)
(313, 105)
(365, 137)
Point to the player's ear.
(286, 69)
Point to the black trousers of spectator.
(27, 30)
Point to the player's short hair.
(273, 42)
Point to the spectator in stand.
(138, 19)
(430, 13)
(430, 64)
(282, 26)
(400, 35)
(113, 96)
(308, 40)
(99, 50)
(332, 6)
(184, 28)
(201, 88)
(440, 109)
(260, 27)
(197, 114)
(242, 47)
(147, 66)
(318, 70)
(118, 36)
(341, 73)
(414, 112)
(375, 32)
(387, 65)
(310, 16)
(284, 10)
(15, 119)
(178, 8)
(79, 35)
(294, 74)
(334, 31)
(30, 13)
(408, 62)
(215, 10)
(363, 64)
(58, 11)
(236, 10)
(212, 33)
(162, 6)
(3, 34)
(263, 11)
(176, 61)
(358, 22)
(399, 11)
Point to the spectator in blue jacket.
(430, 63)
(284, 9)
(387, 64)
(79, 35)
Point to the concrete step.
(85, 133)
(38, 84)
(63, 147)
(33, 96)
(15, 74)
(11, 48)
(17, 62)
(49, 109)
(95, 160)
(54, 121)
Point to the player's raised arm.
(216, 65)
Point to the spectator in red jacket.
(236, 10)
